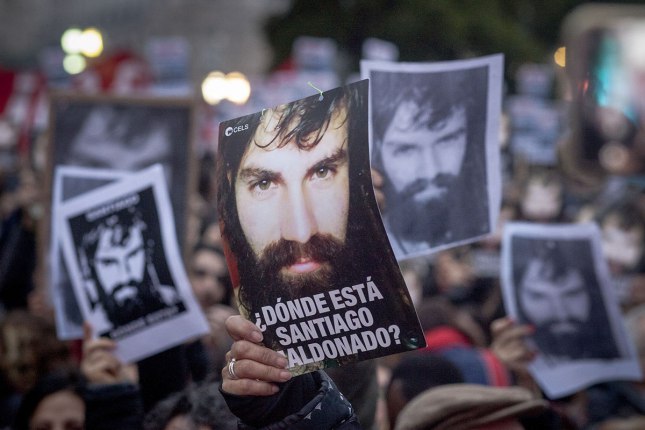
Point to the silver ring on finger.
(231, 369)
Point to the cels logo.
(231, 130)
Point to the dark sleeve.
(109, 407)
(310, 401)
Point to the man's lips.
(303, 265)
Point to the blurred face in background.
(209, 277)
(18, 357)
(62, 410)
(623, 247)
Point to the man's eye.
(404, 150)
(263, 185)
(322, 172)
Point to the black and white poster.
(434, 138)
(121, 251)
(555, 278)
(69, 182)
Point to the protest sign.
(124, 262)
(555, 278)
(69, 182)
(434, 137)
(307, 251)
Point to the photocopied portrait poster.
(555, 278)
(307, 251)
(69, 182)
(121, 251)
(434, 139)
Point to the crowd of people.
(473, 373)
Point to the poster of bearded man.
(307, 250)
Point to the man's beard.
(564, 345)
(131, 308)
(421, 221)
(265, 279)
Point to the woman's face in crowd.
(62, 410)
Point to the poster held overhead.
(555, 277)
(434, 137)
(121, 250)
(307, 251)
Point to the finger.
(240, 328)
(249, 369)
(243, 349)
(248, 387)
(100, 344)
(87, 331)
(500, 325)
(377, 178)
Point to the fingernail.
(256, 336)
(274, 389)
(285, 376)
(282, 362)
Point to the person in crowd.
(29, 349)
(55, 402)
(199, 406)
(212, 287)
(542, 196)
(416, 372)
(209, 276)
(429, 148)
(476, 407)
(111, 390)
(262, 393)
(623, 235)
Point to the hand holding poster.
(555, 278)
(435, 140)
(308, 254)
(120, 247)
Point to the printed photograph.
(125, 267)
(309, 256)
(556, 279)
(435, 141)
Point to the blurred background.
(572, 141)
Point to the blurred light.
(214, 88)
(239, 88)
(233, 86)
(74, 64)
(91, 42)
(560, 56)
(71, 41)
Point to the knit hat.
(466, 406)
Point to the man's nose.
(298, 220)
(429, 164)
(127, 272)
(559, 309)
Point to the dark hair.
(122, 219)
(437, 95)
(422, 370)
(203, 404)
(225, 279)
(302, 123)
(560, 257)
(61, 380)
